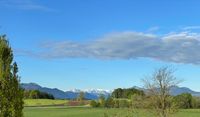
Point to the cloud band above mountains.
(182, 47)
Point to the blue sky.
(102, 43)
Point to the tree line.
(119, 98)
(126, 93)
(36, 94)
(182, 101)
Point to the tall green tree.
(11, 95)
(184, 100)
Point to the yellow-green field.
(44, 102)
(95, 112)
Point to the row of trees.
(36, 94)
(111, 103)
(119, 98)
(126, 93)
(182, 101)
(186, 101)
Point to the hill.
(175, 90)
(179, 90)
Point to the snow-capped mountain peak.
(74, 90)
(99, 91)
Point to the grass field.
(64, 111)
(94, 112)
(44, 102)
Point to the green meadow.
(96, 112)
(59, 108)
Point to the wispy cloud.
(23, 52)
(153, 29)
(181, 47)
(24, 5)
(191, 28)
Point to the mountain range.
(93, 93)
(70, 94)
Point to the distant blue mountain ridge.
(93, 93)
(71, 94)
(175, 90)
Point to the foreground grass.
(95, 112)
(44, 102)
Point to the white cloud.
(182, 47)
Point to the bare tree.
(81, 96)
(158, 91)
